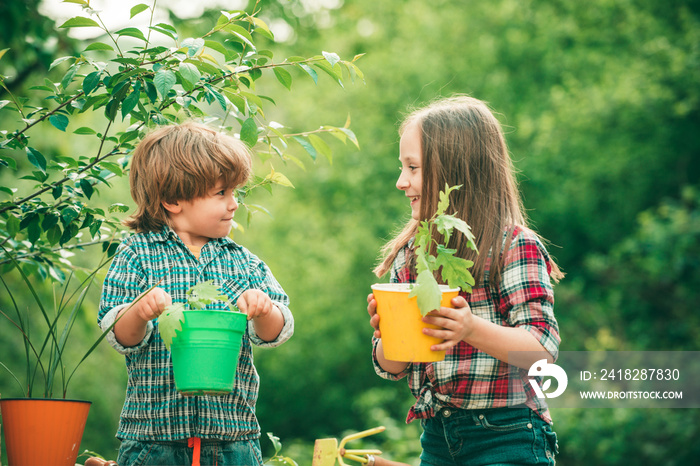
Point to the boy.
(183, 179)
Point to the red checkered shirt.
(469, 378)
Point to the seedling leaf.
(204, 293)
(428, 292)
(170, 322)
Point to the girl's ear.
(172, 208)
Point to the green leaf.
(36, 158)
(218, 97)
(284, 77)
(275, 442)
(68, 233)
(204, 293)
(189, 72)
(79, 22)
(151, 91)
(278, 178)
(170, 322)
(131, 100)
(68, 77)
(261, 27)
(455, 271)
(321, 147)
(135, 10)
(164, 81)
(307, 146)
(249, 132)
(58, 61)
(444, 202)
(59, 121)
(50, 219)
(241, 34)
(281, 461)
(310, 71)
(120, 208)
(446, 223)
(427, 290)
(214, 45)
(331, 57)
(98, 46)
(113, 167)
(131, 32)
(166, 29)
(330, 71)
(12, 225)
(2, 52)
(86, 187)
(84, 130)
(53, 235)
(69, 213)
(91, 82)
(194, 46)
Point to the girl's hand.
(373, 316)
(254, 303)
(152, 304)
(457, 324)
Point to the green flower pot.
(205, 352)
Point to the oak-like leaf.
(427, 291)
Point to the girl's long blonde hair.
(463, 144)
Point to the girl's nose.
(402, 182)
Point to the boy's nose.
(233, 205)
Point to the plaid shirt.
(469, 378)
(153, 409)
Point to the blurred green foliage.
(601, 105)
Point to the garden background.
(601, 105)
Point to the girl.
(476, 407)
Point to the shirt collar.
(168, 234)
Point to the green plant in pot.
(204, 344)
(401, 306)
(44, 426)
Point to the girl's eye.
(412, 168)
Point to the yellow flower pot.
(401, 323)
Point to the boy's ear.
(172, 208)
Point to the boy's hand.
(152, 304)
(255, 303)
(373, 316)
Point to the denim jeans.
(243, 453)
(494, 437)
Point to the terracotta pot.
(43, 431)
(401, 324)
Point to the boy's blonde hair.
(180, 163)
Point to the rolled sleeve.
(285, 334)
(261, 278)
(107, 322)
(381, 372)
